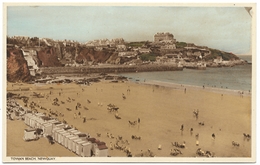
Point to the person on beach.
(159, 147)
(111, 146)
(213, 136)
(191, 131)
(197, 143)
(84, 119)
(139, 120)
(185, 90)
(142, 153)
(197, 136)
(182, 127)
(76, 107)
(79, 114)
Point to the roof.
(29, 129)
(82, 135)
(57, 123)
(101, 143)
(93, 140)
(67, 128)
(45, 118)
(102, 147)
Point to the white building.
(128, 54)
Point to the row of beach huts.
(72, 139)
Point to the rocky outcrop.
(17, 68)
(48, 57)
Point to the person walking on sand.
(182, 127)
(139, 120)
(185, 90)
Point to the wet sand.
(162, 110)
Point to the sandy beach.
(161, 110)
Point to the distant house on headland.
(121, 47)
(167, 37)
(127, 54)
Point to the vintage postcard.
(129, 82)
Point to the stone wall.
(109, 69)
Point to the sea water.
(238, 77)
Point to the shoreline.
(155, 83)
(194, 87)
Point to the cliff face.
(89, 54)
(17, 69)
(48, 57)
(57, 56)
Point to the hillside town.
(163, 50)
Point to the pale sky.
(224, 28)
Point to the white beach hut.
(53, 132)
(56, 133)
(39, 123)
(100, 149)
(79, 147)
(70, 142)
(33, 121)
(63, 136)
(47, 128)
(60, 134)
(73, 149)
(27, 117)
(29, 134)
(66, 140)
(86, 149)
